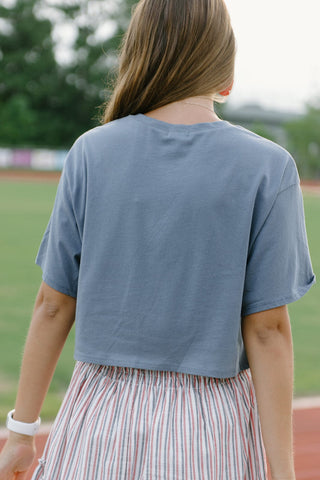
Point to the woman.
(176, 242)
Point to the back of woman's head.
(172, 50)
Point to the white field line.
(305, 403)
(312, 190)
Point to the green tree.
(304, 141)
(99, 27)
(43, 102)
(29, 78)
(261, 129)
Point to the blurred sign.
(35, 159)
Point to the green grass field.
(24, 212)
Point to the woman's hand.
(17, 456)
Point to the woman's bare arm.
(268, 342)
(52, 319)
(51, 322)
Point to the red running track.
(306, 439)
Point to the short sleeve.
(59, 253)
(279, 269)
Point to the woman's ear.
(227, 91)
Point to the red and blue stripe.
(124, 423)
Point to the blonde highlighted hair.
(172, 50)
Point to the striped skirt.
(124, 423)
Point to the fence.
(33, 159)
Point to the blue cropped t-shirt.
(168, 235)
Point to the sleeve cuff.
(267, 305)
(60, 288)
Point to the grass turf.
(24, 212)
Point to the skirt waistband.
(159, 378)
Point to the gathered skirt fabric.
(125, 423)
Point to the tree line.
(44, 102)
(48, 103)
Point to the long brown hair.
(172, 50)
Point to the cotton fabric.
(168, 235)
(121, 423)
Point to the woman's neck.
(198, 109)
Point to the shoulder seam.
(271, 208)
(292, 185)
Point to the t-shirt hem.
(114, 361)
(260, 306)
(56, 286)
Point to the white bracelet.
(20, 427)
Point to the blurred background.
(57, 59)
